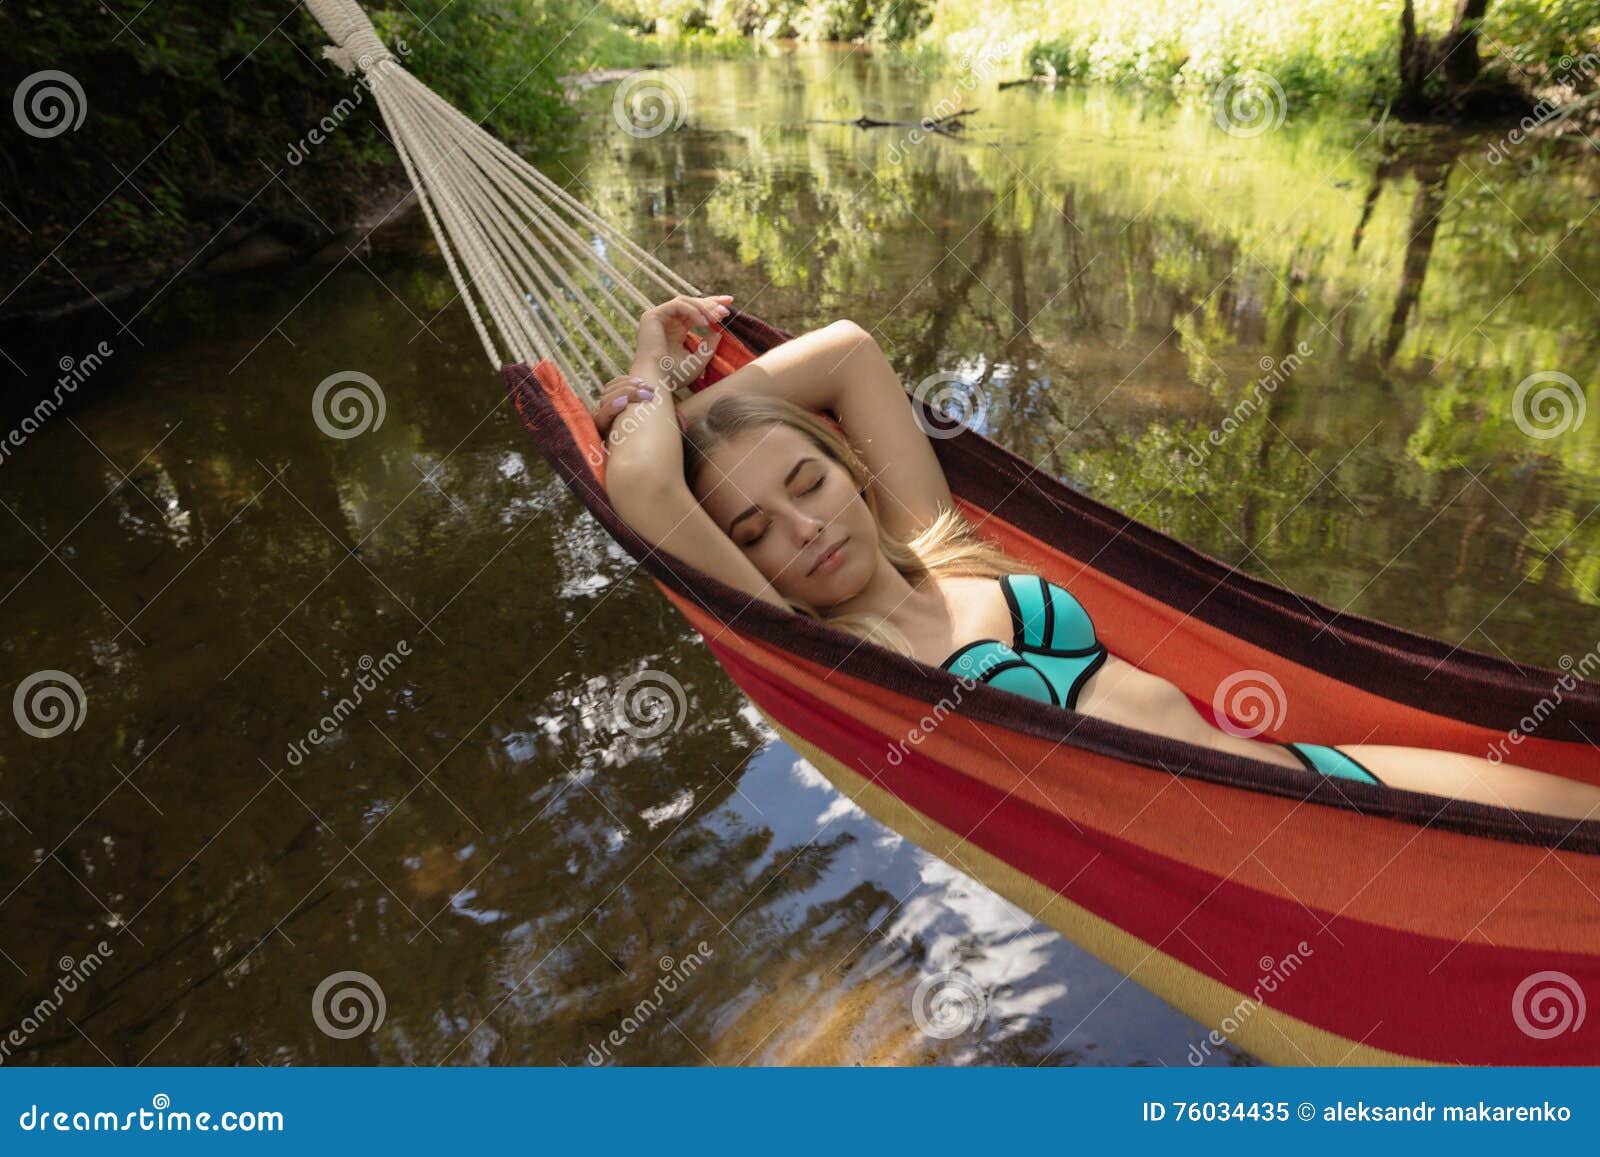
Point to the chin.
(845, 583)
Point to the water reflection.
(520, 875)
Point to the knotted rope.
(518, 246)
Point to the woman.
(744, 481)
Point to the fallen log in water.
(950, 123)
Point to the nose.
(808, 528)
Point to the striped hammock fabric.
(1313, 921)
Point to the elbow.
(634, 489)
(853, 332)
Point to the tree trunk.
(1461, 61)
(1413, 61)
(1455, 57)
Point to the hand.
(616, 397)
(664, 328)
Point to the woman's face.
(786, 505)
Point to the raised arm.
(644, 458)
(838, 367)
(841, 368)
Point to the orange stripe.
(1267, 1033)
(1393, 874)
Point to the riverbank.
(148, 146)
(239, 187)
(1477, 61)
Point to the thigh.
(1469, 777)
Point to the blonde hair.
(947, 546)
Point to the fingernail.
(619, 403)
(648, 393)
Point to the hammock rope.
(518, 246)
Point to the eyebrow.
(755, 510)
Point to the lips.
(832, 550)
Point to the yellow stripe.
(1267, 1033)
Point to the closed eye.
(749, 542)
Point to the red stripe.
(1418, 996)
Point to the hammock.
(1325, 922)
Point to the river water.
(1299, 350)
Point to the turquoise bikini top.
(1053, 649)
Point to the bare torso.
(1118, 692)
(1121, 693)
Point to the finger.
(692, 308)
(606, 416)
(616, 388)
(706, 346)
(615, 399)
(618, 401)
(625, 385)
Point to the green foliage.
(198, 100)
(1314, 49)
(880, 21)
(495, 60)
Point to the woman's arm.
(644, 461)
(648, 442)
(840, 367)
(809, 370)
(670, 518)
(655, 500)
